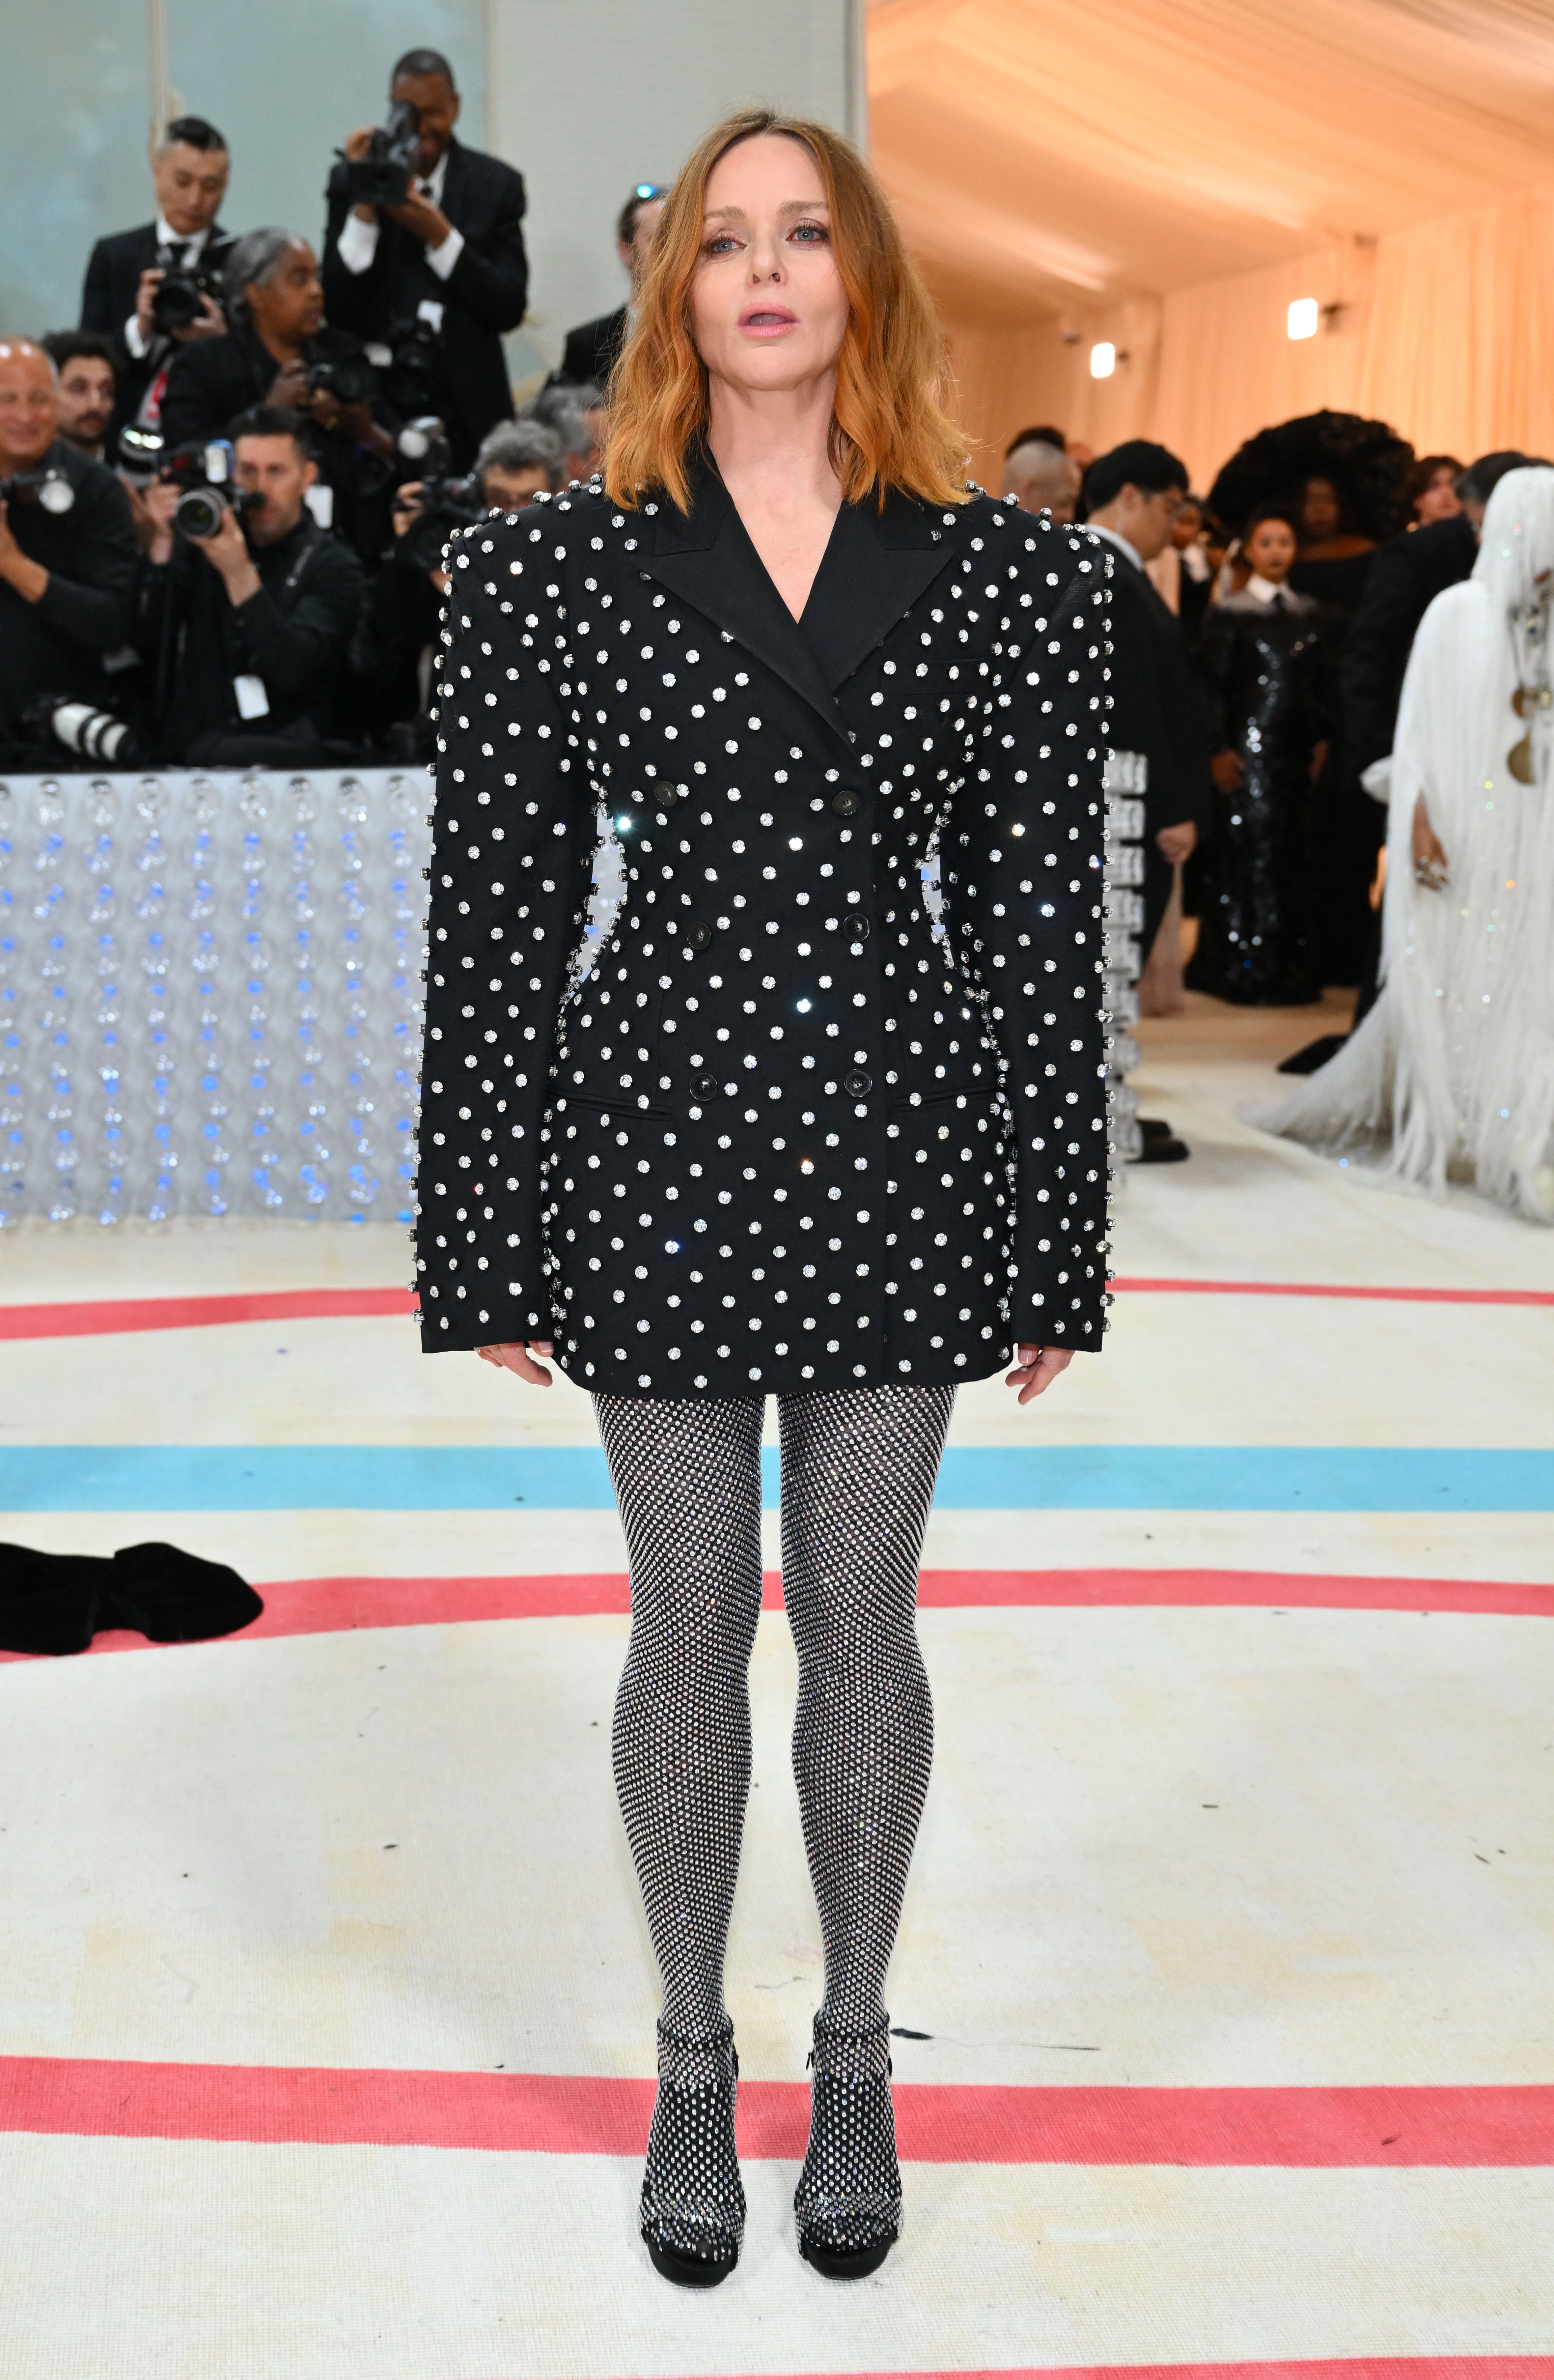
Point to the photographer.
(249, 626)
(517, 459)
(579, 418)
(84, 360)
(593, 347)
(67, 552)
(279, 353)
(438, 273)
(184, 246)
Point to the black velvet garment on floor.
(785, 1136)
(1268, 678)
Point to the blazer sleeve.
(97, 296)
(199, 398)
(491, 277)
(513, 842)
(97, 609)
(353, 301)
(1022, 879)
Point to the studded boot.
(692, 2209)
(848, 2199)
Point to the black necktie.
(178, 254)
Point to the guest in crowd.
(84, 360)
(1042, 478)
(67, 552)
(189, 175)
(248, 629)
(278, 352)
(591, 350)
(440, 276)
(1132, 496)
(1334, 558)
(1449, 1075)
(579, 418)
(1433, 488)
(1270, 713)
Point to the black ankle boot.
(692, 2210)
(848, 2199)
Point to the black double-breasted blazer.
(787, 1133)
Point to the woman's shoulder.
(580, 520)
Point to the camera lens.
(198, 512)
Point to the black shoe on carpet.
(1314, 1055)
(1161, 1149)
(174, 1597)
(1155, 1128)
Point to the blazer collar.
(874, 568)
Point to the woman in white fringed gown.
(1450, 1077)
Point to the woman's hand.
(518, 1356)
(1429, 853)
(1227, 770)
(1037, 1369)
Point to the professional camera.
(199, 510)
(94, 735)
(50, 488)
(176, 305)
(350, 380)
(442, 504)
(382, 178)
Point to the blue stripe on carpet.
(454, 1478)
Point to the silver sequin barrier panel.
(211, 993)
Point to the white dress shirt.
(193, 246)
(357, 243)
(1122, 544)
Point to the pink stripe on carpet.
(321, 1606)
(937, 2123)
(75, 1319)
(1349, 2367)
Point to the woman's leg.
(858, 1472)
(686, 1475)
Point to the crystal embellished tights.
(858, 1471)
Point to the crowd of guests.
(224, 494)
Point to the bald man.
(68, 554)
(1042, 478)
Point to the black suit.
(113, 281)
(1406, 575)
(593, 349)
(785, 1137)
(92, 557)
(1158, 709)
(483, 296)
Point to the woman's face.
(767, 308)
(290, 303)
(1320, 511)
(1271, 550)
(1438, 500)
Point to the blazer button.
(858, 1085)
(846, 804)
(704, 1086)
(666, 795)
(698, 935)
(859, 928)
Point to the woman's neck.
(284, 346)
(772, 446)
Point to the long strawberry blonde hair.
(889, 429)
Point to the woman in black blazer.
(788, 1134)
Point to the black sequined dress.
(1268, 680)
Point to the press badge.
(252, 700)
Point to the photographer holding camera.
(248, 608)
(425, 255)
(151, 290)
(279, 352)
(517, 459)
(68, 554)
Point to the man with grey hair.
(1042, 478)
(579, 418)
(125, 276)
(517, 461)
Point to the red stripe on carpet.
(937, 2123)
(76, 1319)
(1348, 2367)
(321, 1606)
(1138, 1286)
(80, 1318)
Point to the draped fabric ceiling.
(1167, 175)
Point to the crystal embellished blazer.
(792, 1130)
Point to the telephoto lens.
(199, 510)
(80, 727)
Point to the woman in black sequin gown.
(789, 1135)
(1268, 676)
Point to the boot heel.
(691, 2214)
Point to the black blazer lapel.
(876, 567)
(706, 558)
